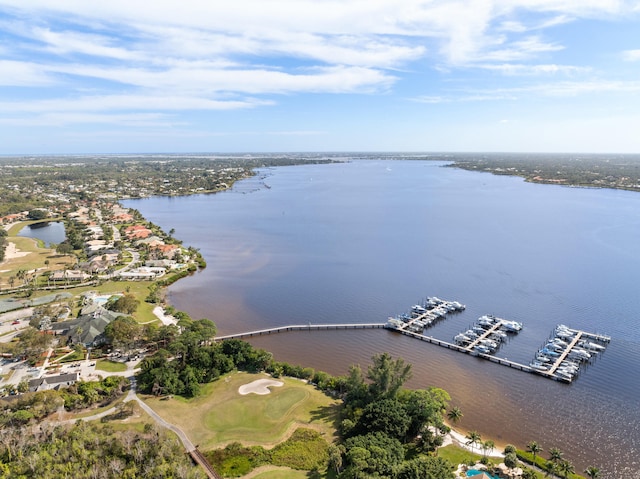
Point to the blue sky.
(319, 75)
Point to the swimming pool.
(101, 300)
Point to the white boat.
(538, 366)
(579, 353)
(591, 346)
(549, 352)
(461, 339)
(489, 343)
(512, 326)
(395, 323)
(482, 349)
(542, 358)
(458, 306)
(487, 320)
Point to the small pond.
(51, 232)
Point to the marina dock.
(560, 359)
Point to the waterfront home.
(137, 232)
(143, 273)
(167, 250)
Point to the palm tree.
(455, 414)
(487, 446)
(534, 448)
(565, 468)
(473, 438)
(555, 455)
(551, 468)
(593, 472)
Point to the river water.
(364, 240)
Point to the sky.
(79, 76)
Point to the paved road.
(132, 396)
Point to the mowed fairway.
(221, 415)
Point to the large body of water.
(361, 241)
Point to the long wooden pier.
(466, 350)
(301, 327)
(429, 339)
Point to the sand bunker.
(260, 386)
(12, 252)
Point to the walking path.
(132, 396)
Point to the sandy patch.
(166, 319)
(260, 386)
(460, 440)
(12, 252)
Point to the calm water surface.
(360, 241)
(47, 231)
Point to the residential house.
(53, 382)
(88, 328)
(69, 275)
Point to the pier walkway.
(466, 350)
(429, 339)
(565, 353)
(301, 327)
(485, 335)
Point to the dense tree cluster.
(92, 451)
(603, 171)
(15, 201)
(3, 243)
(30, 345)
(190, 359)
(38, 405)
(382, 421)
(126, 303)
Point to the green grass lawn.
(221, 415)
(110, 366)
(458, 455)
(281, 473)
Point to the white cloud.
(631, 55)
(335, 79)
(17, 73)
(87, 44)
(61, 119)
(543, 69)
(128, 103)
